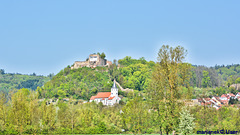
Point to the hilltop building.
(107, 98)
(93, 61)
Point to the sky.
(45, 36)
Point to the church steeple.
(114, 89)
(114, 84)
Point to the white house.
(237, 95)
(107, 98)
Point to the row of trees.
(24, 114)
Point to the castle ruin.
(93, 61)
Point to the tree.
(135, 116)
(233, 90)
(186, 124)
(204, 110)
(2, 71)
(102, 55)
(206, 79)
(48, 117)
(231, 80)
(237, 80)
(19, 113)
(233, 101)
(2, 111)
(61, 94)
(164, 91)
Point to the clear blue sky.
(47, 35)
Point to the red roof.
(101, 95)
(232, 95)
(92, 98)
(110, 98)
(224, 95)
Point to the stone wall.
(80, 64)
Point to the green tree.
(231, 80)
(206, 80)
(61, 94)
(186, 125)
(3, 112)
(237, 80)
(19, 113)
(164, 91)
(102, 55)
(135, 115)
(48, 117)
(233, 101)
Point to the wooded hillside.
(11, 81)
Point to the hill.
(11, 81)
(80, 83)
(219, 75)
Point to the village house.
(107, 98)
(224, 97)
(237, 95)
(205, 101)
(218, 102)
(230, 95)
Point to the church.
(107, 98)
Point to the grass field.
(148, 134)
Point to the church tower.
(114, 90)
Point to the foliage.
(135, 115)
(206, 79)
(214, 79)
(126, 61)
(79, 83)
(102, 55)
(134, 73)
(226, 118)
(186, 125)
(135, 76)
(24, 114)
(10, 81)
(154, 106)
(165, 89)
(233, 101)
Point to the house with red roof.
(205, 101)
(237, 95)
(224, 97)
(231, 95)
(107, 98)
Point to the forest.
(12, 81)
(157, 104)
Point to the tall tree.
(165, 89)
